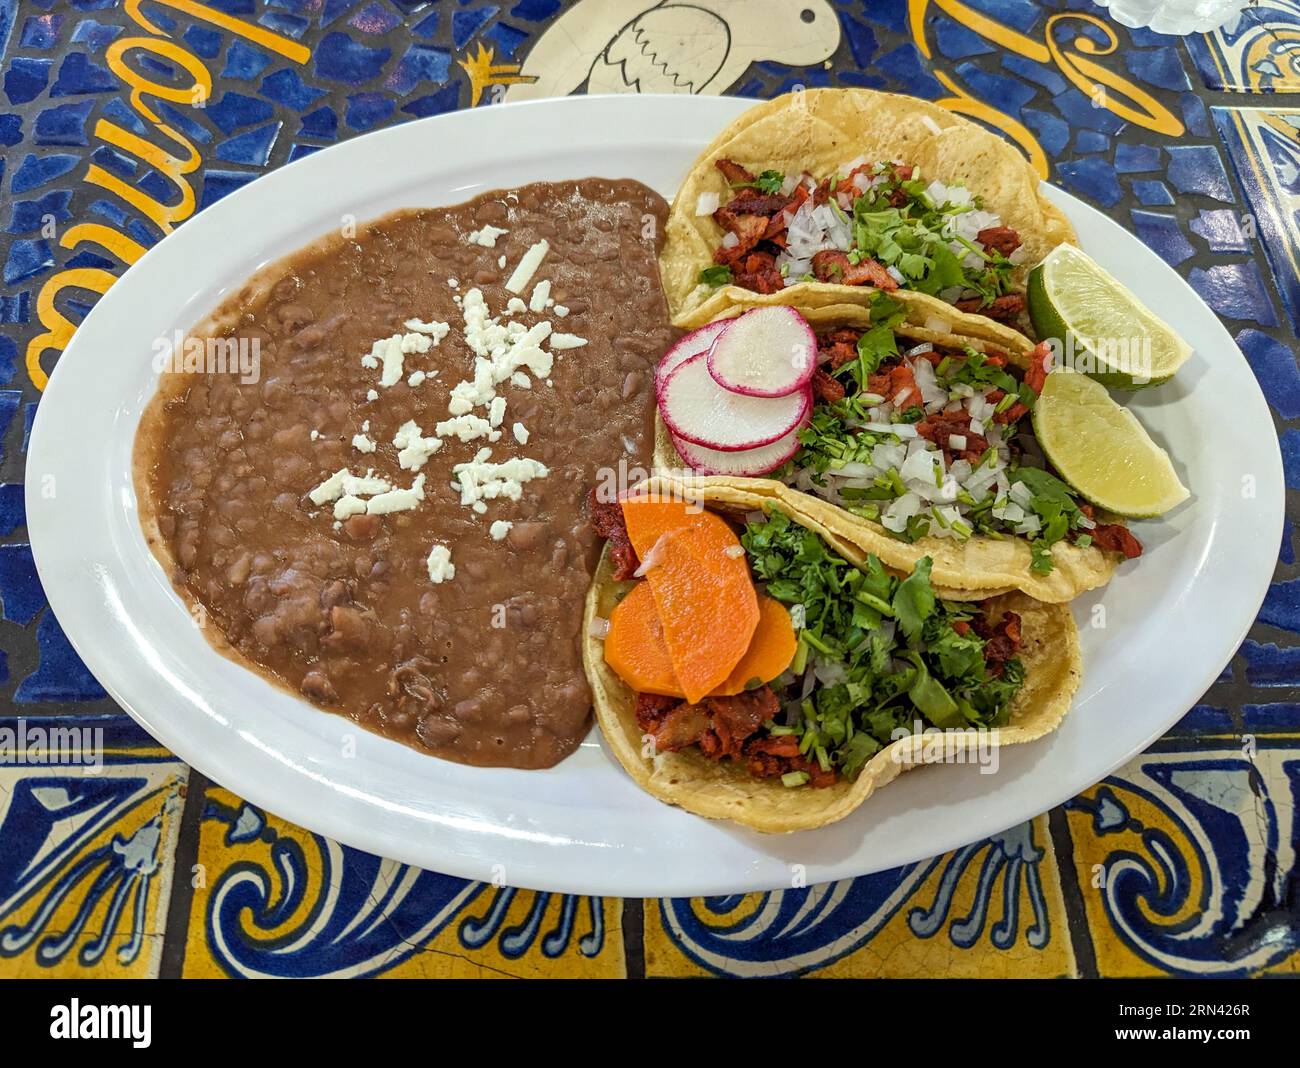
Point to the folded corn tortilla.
(819, 130)
(725, 789)
(963, 570)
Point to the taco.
(825, 191)
(921, 444)
(747, 664)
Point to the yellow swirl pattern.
(1105, 88)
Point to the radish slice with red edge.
(747, 463)
(692, 344)
(767, 352)
(700, 411)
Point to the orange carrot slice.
(700, 580)
(635, 646)
(636, 650)
(770, 650)
(650, 518)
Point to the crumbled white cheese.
(561, 311)
(521, 433)
(397, 500)
(487, 237)
(532, 259)
(392, 351)
(501, 262)
(467, 395)
(482, 332)
(362, 443)
(453, 283)
(481, 480)
(436, 331)
(525, 353)
(541, 294)
(441, 569)
(372, 394)
(463, 427)
(501, 353)
(416, 378)
(499, 529)
(415, 447)
(343, 482)
(365, 485)
(315, 434)
(567, 341)
(346, 506)
(521, 380)
(497, 411)
(515, 306)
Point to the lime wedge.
(1101, 450)
(1104, 329)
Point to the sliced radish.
(767, 352)
(694, 343)
(748, 463)
(700, 411)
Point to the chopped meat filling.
(1002, 239)
(768, 757)
(1002, 640)
(1114, 537)
(607, 522)
(1004, 308)
(827, 387)
(832, 266)
(942, 427)
(727, 728)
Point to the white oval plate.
(1171, 620)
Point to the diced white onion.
(707, 203)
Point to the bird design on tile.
(631, 46)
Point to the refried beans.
(450, 623)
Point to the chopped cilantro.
(768, 182)
(888, 676)
(715, 275)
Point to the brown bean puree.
(483, 667)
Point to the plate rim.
(335, 822)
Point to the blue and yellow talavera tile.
(1257, 51)
(273, 900)
(1264, 147)
(992, 908)
(1187, 862)
(89, 810)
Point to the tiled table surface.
(1182, 862)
